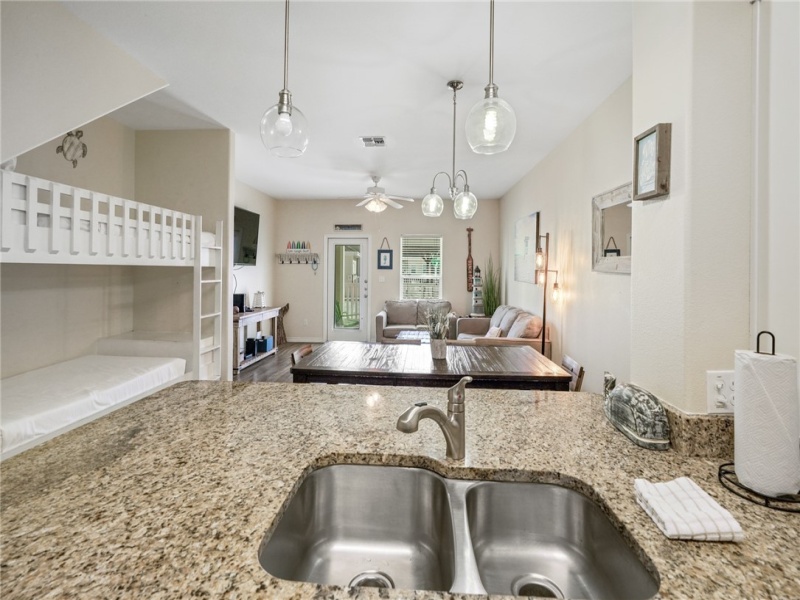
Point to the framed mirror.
(611, 230)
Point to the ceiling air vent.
(373, 141)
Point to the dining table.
(497, 367)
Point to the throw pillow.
(498, 315)
(508, 319)
(526, 326)
(494, 332)
(424, 306)
(401, 312)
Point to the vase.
(438, 349)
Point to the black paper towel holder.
(728, 479)
(758, 342)
(727, 471)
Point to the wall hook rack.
(298, 258)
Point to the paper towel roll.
(766, 415)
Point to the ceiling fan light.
(284, 132)
(465, 205)
(432, 204)
(375, 205)
(491, 126)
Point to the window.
(420, 267)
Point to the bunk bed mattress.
(40, 402)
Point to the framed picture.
(384, 259)
(651, 162)
(525, 230)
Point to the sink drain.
(376, 579)
(537, 585)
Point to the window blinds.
(420, 267)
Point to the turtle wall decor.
(72, 147)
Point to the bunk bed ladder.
(207, 305)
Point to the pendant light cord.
(286, 47)
(491, 42)
(453, 171)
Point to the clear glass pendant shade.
(284, 134)
(432, 205)
(465, 205)
(491, 126)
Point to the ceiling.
(371, 68)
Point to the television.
(245, 236)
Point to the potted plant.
(491, 288)
(438, 327)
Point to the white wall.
(592, 323)
(59, 74)
(776, 249)
(191, 171)
(108, 166)
(689, 285)
(51, 313)
(311, 220)
(259, 277)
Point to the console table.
(240, 323)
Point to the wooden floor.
(272, 368)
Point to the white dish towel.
(684, 511)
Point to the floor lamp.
(541, 274)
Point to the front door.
(346, 312)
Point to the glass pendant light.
(432, 204)
(284, 129)
(491, 124)
(465, 204)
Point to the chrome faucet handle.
(457, 394)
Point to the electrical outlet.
(720, 392)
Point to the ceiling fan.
(376, 199)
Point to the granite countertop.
(171, 496)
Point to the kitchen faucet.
(453, 424)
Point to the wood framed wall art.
(385, 259)
(651, 162)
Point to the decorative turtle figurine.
(72, 147)
(637, 413)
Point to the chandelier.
(464, 202)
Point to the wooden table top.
(515, 367)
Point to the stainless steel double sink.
(408, 528)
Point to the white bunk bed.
(43, 222)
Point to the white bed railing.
(46, 222)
